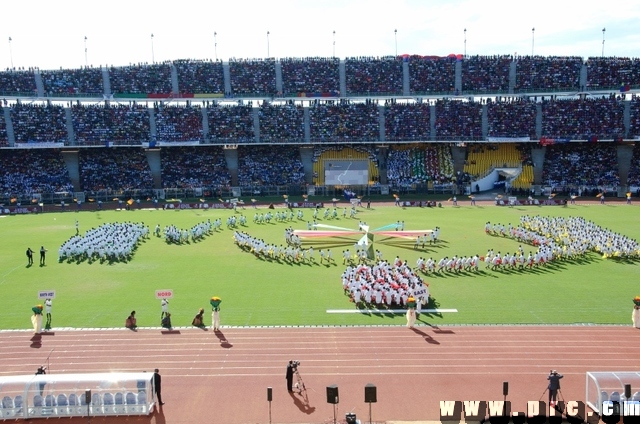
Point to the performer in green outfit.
(36, 319)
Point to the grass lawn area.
(258, 292)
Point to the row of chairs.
(617, 397)
(76, 405)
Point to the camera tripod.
(560, 397)
(299, 386)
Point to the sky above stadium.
(51, 34)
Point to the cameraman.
(41, 371)
(554, 386)
(291, 369)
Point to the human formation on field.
(370, 281)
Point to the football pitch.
(259, 292)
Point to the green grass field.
(256, 292)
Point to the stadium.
(455, 143)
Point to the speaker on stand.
(332, 398)
(505, 392)
(269, 399)
(370, 396)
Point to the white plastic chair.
(63, 405)
(131, 402)
(38, 403)
(7, 407)
(96, 404)
(17, 406)
(142, 402)
(49, 405)
(108, 404)
(119, 404)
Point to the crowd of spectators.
(199, 76)
(115, 170)
(432, 75)
(21, 81)
(281, 123)
(344, 121)
(120, 124)
(512, 117)
(407, 121)
(487, 74)
(4, 138)
(317, 75)
(310, 75)
(253, 76)
(29, 171)
(189, 167)
(634, 117)
(583, 119)
(373, 75)
(39, 123)
(612, 72)
(233, 124)
(634, 170)
(141, 79)
(539, 73)
(70, 82)
(408, 165)
(178, 123)
(269, 166)
(458, 119)
(581, 165)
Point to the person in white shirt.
(165, 308)
(47, 309)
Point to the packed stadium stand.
(419, 121)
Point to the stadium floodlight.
(11, 52)
(533, 37)
(603, 31)
(395, 32)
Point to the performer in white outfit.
(635, 317)
(47, 308)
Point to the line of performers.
(272, 251)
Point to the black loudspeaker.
(87, 396)
(269, 394)
(505, 388)
(332, 394)
(370, 393)
(627, 391)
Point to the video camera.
(294, 365)
(553, 372)
(41, 370)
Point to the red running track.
(223, 377)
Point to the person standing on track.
(289, 376)
(157, 385)
(554, 386)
